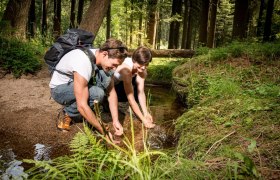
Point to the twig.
(98, 117)
(219, 142)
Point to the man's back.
(75, 60)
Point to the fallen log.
(180, 53)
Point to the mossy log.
(180, 53)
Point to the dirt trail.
(28, 115)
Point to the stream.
(165, 110)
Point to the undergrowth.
(233, 119)
(19, 57)
(92, 159)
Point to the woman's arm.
(127, 81)
(140, 81)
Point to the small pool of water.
(165, 110)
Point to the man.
(74, 92)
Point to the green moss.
(233, 89)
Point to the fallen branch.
(219, 142)
(180, 53)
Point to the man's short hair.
(115, 48)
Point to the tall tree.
(95, 15)
(80, 11)
(108, 23)
(240, 20)
(173, 42)
(151, 22)
(140, 22)
(131, 22)
(32, 19)
(203, 21)
(44, 18)
(72, 14)
(159, 29)
(268, 21)
(212, 24)
(15, 18)
(57, 18)
(190, 24)
(185, 24)
(259, 26)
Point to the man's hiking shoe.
(63, 123)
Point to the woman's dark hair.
(142, 55)
(115, 48)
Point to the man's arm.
(82, 94)
(113, 104)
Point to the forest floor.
(28, 117)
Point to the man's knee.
(96, 93)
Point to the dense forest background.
(160, 24)
(229, 88)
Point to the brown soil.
(28, 116)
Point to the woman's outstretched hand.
(118, 128)
(148, 123)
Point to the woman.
(129, 80)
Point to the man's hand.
(118, 128)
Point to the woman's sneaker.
(63, 122)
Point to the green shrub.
(19, 58)
(219, 54)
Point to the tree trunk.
(190, 26)
(173, 41)
(140, 23)
(57, 19)
(15, 18)
(159, 30)
(44, 18)
(185, 25)
(182, 53)
(151, 24)
(94, 15)
(259, 26)
(108, 23)
(131, 22)
(240, 20)
(268, 21)
(203, 22)
(212, 24)
(80, 11)
(72, 14)
(32, 20)
(126, 23)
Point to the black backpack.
(72, 39)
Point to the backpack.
(72, 39)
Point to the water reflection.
(42, 152)
(11, 168)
